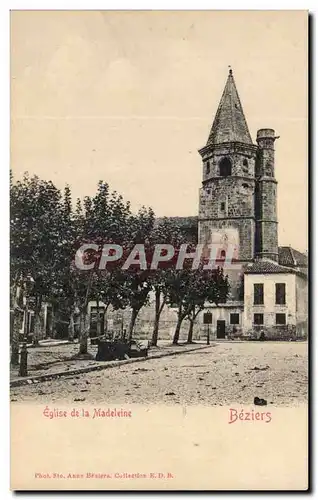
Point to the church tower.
(266, 241)
(227, 206)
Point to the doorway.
(220, 329)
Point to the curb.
(50, 343)
(87, 369)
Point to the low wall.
(277, 332)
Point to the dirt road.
(223, 374)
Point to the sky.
(129, 97)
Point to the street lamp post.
(207, 319)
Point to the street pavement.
(224, 373)
(57, 359)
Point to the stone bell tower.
(226, 206)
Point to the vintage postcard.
(159, 250)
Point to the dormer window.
(225, 167)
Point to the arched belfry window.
(207, 168)
(225, 167)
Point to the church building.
(238, 207)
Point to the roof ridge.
(268, 266)
(290, 256)
(243, 115)
(293, 256)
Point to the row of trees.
(46, 232)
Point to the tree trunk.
(84, 331)
(15, 338)
(154, 339)
(133, 318)
(190, 332)
(85, 319)
(15, 321)
(50, 326)
(53, 324)
(177, 330)
(98, 325)
(37, 327)
(105, 319)
(105, 322)
(37, 319)
(71, 327)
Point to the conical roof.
(229, 123)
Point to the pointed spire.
(229, 123)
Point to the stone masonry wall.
(227, 202)
(241, 156)
(245, 227)
(235, 192)
(266, 199)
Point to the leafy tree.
(138, 283)
(189, 290)
(34, 229)
(63, 293)
(103, 218)
(108, 223)
(166, 232)
(110, 288)
(208, 286)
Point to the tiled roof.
(187, 225)
(288, 256)
(229, 123)
(191, 221)
(267, 267)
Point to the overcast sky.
(129, 97)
